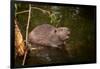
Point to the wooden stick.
(24, 57)
(22, 12)
(27, 32)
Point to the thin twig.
(27, 32)
(22, 12)
(44, 11)
(29, 16)
(24, 57)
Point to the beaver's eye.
(55, 31)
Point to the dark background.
(81, 20)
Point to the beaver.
(48, 35)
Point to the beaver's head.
(63, 33)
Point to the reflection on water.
(81, 46)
